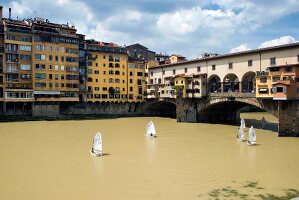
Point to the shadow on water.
(252, 191)
(106, 154)
(270, 126)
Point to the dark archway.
(161, 108)
(214, 84)
(228, 112)
(231, 83)
(248, 82)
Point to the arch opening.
(231, 83)
(230, 112)
(214, 84)
(248, 82)
(161, 109)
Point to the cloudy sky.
(186, 27)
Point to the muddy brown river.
(51, 160)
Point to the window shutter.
(274, 90)
(284, 89)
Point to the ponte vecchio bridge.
(215, 87)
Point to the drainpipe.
(9, 10)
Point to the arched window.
(117, 89)
(117, 72)
(111, 72)
(89, 79)
(117, 65)
(111, 65)
(111, 58)
(117, 80)
(111, 80)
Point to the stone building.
(140, 52)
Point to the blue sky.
(186, 27)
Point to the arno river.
(51, 160)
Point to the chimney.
(1, 13)
(9, 16)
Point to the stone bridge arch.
(226, 109)
(163, 107)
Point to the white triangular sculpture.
(97, 149)
(150, 129)
(251, 136)
(241, 135)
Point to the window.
(297, 60)
(139, 81)
(96, 88)
(89, 71)
(131, 80)
(25, 57)
(116, 58)
(152, 73)
(40, 85)
(159, 81)
(40, 57)
(111, 72)
(111, 58)
(111, 80)
(131, 73)
(25, 67)
(186, 70)
(111, 65)
(40, 76)
(288, 69)
(62, 58)
(104, 65)
(249, 63)
(25, 48)
(198, 69)
(117, 65)
(263, 80)
(213, 67)
(50, 57)
(173, 72)
(297, 90)
(104, 89)
(40, 47)
(104, 57)
(273, 61)
(96, 71)
(131, 89)
(40, 66)
(50, 67)
(131, 65)
(275, 78)
(263, 90)
(56, 76)
(279, 89)
(62, 77)
(50, 76)
(89, 79)
(140, 73)
(117, 72)
(62, 67)
(230, 65)
(96, 64)
(56, 58)
(56, 67)
(117, 80)
(62, 49)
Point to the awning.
(47, 92)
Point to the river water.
(51, 160)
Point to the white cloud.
(242, 47)
(277, 42)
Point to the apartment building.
(55, 61)
(107, 72)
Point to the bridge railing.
(232, 94)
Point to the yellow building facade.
(107, 66)
(136, 81)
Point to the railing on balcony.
(12, 71)
(11, 50)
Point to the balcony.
(12, 71)
(262, 73)
(11, 51)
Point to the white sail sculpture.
(241, 135)
(97, 149)
(251, 136)
(150, 129)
